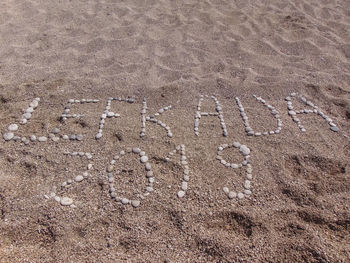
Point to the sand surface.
(171, 52)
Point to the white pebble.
(27, 115)
(144, 159)
(240, 195)
(184, 186)
(79, 178)
(66, 201)
(236, 144)
(148, 166)
(8, 136)
(244, 150)
(232, 195)
(136, 150)
(13, 127)
(135, 203)
(181, 194)
(42, 139)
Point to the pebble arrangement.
(184, 183)
(315, 109)
(245, 151)
(26, 116)
(248, 128)
(55, 136)
(66, 115)
(152, 118)
(218, 113)
(110, 114)
(111, 177)
(66, 201)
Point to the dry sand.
(171, 52)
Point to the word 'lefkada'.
(112, 173)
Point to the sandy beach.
(174, 72)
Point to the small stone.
(232, 195)
(240, 195)
(30, 110)
(136, 150)
(13, 127)
(79, 137)
(65, 137)
(244, 150)
(110, 168)
(42, 139)
(335, 129)
(65, 201)
(34, 104)
(226, 190)
(57, 198)
(184, 186)
(8, 136)
(148, 166)
(27, 115)
(33, 138)
(79, 178)
(55, 130)
(125, 201)
(234, 166)
(236, 144)
(144, 159)
(135, 203)
(247, 192)
(181, 194)
(98, 136)
(23, 121)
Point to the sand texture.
(171, 52)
